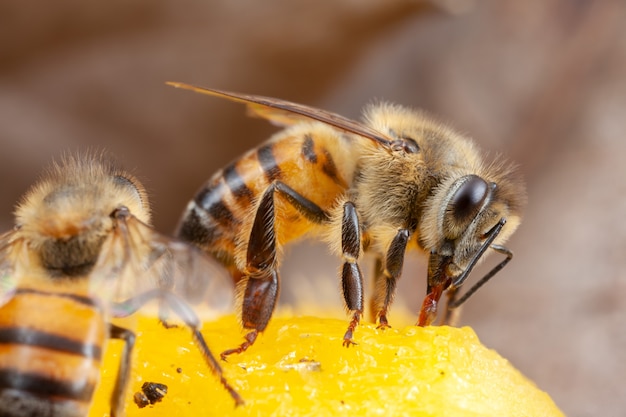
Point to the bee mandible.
(397, 181)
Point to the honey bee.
(398, 181)
(82, 251)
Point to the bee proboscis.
(82, 251)
(397, 181)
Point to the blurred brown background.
(542, 82)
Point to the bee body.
(50, 355)
(397, 181)
(81, 252)
(305, 158)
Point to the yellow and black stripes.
(233, 188)
(308, 149)
(211, 200)
(50, 351)
(216, 211)
(267, 162)
(298, 164)
(237, 184)
(325, 161)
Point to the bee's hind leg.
(260, 279)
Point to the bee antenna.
(493, 233)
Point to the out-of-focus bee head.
(66, 216)
(464, 211)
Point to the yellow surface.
(299, 368)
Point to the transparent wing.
(283, 112)
(191, 274)
(136, 259)
(10, 247)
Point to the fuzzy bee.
(82, 252)
(398, 181)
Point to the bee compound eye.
(469, 197)
(128, 182)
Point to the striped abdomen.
(313, 159)
(50, 353)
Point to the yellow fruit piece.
(298, 367)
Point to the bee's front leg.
(123, 371)
(185, 313)
(351, 277)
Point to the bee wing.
(189, 273)
(9, 248)
(136, 258)
(283, 112)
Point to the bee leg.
(451, 315)
(259, 300)
(378, 276)
(351, 277)
(123, 372)
(306, 207)
(385, 288)
(261, 278)
(191, 320)
(453, 305)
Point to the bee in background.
(398, 181)
(81, 252)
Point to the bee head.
(66, 216)
(463, 215)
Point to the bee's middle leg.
(351, 277)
